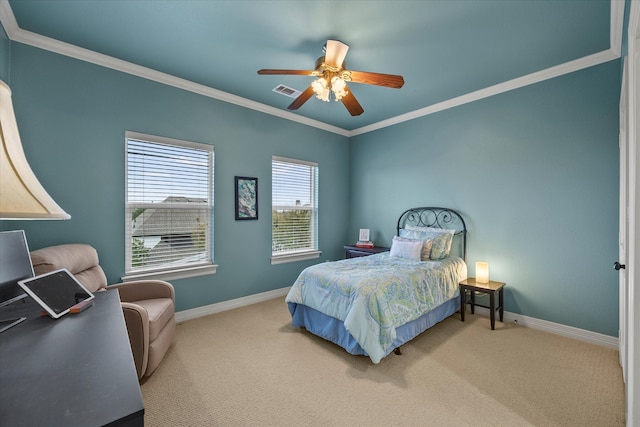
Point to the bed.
(372, 305)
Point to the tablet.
(56, 292)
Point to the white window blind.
(169, 207)
(294, 206)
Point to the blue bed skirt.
(333, 329)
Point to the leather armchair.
(148, 305)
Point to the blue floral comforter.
(374, 295)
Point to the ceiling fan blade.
(378, 79)
(304, 97)
(335, 53)
(268, 71)
(352, 104)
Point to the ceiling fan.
(333, 77)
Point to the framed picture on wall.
(246, 198)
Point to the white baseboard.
(206, 310)
(530, 322)
(555, 328)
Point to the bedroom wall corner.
(534, 171)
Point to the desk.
(74, 371)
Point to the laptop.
(57, 292)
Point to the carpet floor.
(250, 367)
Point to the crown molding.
(7, 18)
(615, 40)
(616, 26)
(15, 33)
(529, 79)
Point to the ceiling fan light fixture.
(339, 88)
(325, 85)
(321, 88)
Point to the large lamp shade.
(21, 194)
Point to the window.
(169, 208)
(294, 210)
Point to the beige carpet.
(249, 367)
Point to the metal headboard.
(436, 218)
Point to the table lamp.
(482, 272)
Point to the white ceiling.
(450, 52)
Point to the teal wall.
(73, 116)
(535, 173)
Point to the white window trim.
(298, 161)
(295, 256)
(182, 272)
(304, 254)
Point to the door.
(630, 306)
(622, 236)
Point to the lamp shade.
(482, 272)
(21, 194)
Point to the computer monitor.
(15, 265)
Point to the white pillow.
(408, 249)
(441, 237)
(425, 253)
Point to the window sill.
(294, 256)
(182, 273)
